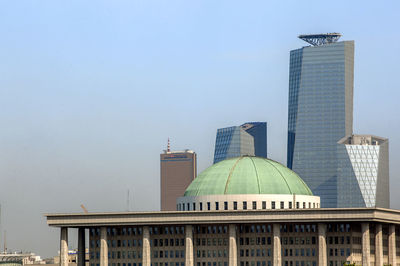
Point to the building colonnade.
(233, 247)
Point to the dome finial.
(168, 146)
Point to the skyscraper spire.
(168, 146)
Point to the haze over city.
(91, 91)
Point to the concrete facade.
(268, 237)
(177, 171)
(363, 171)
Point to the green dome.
(247, 175)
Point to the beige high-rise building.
(177, 171)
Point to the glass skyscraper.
(247, 139)
(320, 110)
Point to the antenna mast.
(5, 242)
(168, 146)
(127, 202)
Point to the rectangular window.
(297, 205)
(201, 206)
(273, 205)
(282, 205)
(217, 206)
(225, 205)
(244, 205)
(254, 205)
(304, 205)
(183, 206)
(208, 206)
(188, 206)
(290, 204)
(194, 206)
(264, 205)
(235, 205)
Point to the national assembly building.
(247, 211)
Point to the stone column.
(392, 245)
(378, 245)
(64, 246)
(189, 245)
(277, 245)
(366, 250)
(146, 254)
(103, 247)
(232, 245)
(81, 247)
(322, 256)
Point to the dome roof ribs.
(258, 179)
(230, 174)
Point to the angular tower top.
(320, 39)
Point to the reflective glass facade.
(259, 132)
(232, 142)
(320, 113)
(247, 139)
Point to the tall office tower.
(177, 171)
(363, 171)
(320, 110)
(247, 139)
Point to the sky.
(90, 91)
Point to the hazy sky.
(91, 90)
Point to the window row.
(220, 263)
(167, 242)
(212, 253)
(255, 241)
(117, 231)
(299, 240)
(221, 229)
(172, 230)
(299, 228)
(253, 205)
(300, 263)
(211, 242)
(118, 243)
(255, 252)
(256, 263)
(168, 254)
(339, 252)
(303, 252)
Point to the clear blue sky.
(91, 90)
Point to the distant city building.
(17, 259)
(177, 171)
(320, 110)
(363, 171)
(247, 139)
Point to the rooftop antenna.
(168, 146)
(127, 202)
(5, 242)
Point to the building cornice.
(223, 217)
